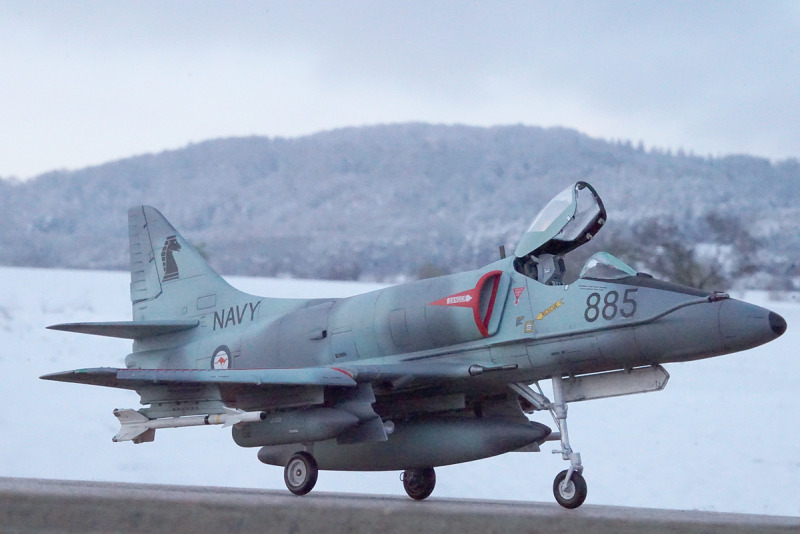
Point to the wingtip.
(57, 377)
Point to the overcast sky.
(85, 82)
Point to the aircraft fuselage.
(491, 317)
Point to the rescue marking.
(235, 315)
(518, 291)
(463, 299)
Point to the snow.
(723, 436)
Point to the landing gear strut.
(419, 483)
(300, 473)
(569, 487)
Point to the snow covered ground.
(723, 436)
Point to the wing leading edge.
(345, 376)
(137, 378)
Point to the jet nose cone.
(744, 326)
(777, 323)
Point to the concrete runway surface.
(49, 506)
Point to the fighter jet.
(414, 376)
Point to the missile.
(137, 427)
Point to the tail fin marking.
(168, 276)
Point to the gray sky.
(86, 82)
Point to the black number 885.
(610, 307)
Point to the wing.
(398, 375)
(420, 373)
(179, 392)
(186, 397)
(139, 378)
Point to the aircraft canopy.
(568, 221)
(604, 266)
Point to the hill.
(408, 200)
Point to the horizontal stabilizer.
(128, 329)
(136, 378)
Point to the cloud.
(92, 81)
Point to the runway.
(48, 506)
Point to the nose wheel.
(569, 493)
(419, 483)
(300, 473)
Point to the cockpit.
(570, 219)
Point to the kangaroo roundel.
(221, 359)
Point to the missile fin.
(132, 425)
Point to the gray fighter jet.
(410, 377)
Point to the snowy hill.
(403, 200)
(723, 436)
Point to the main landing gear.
(419, 483)
(569, 486)
(300, 473)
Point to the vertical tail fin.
(168, 276)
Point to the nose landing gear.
(569, 486)
(569, 493)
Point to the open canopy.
(568, 221)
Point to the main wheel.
(419, 483)
(569, 494)
(300, 473)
